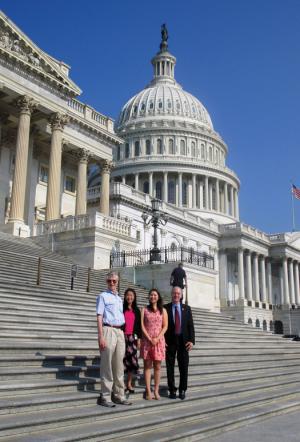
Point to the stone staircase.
(49, 367)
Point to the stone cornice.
(18, 48)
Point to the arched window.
(146, 187)
(158, 190)
(148, 147)
(265, 325)
(184, 193)
(193, 149)
(159, 146)
(202, 152)
(127, 150)
(257, 323)
(171, 192)
(250, 321)
(137, 149)
(271, 326)
(182, 147)
(217, 157)
(171, 147)
(210, 154)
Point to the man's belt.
(113, 326)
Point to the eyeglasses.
(113, 281)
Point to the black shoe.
(182, 395)
(130, 391)
(102, 401)
(172, 395)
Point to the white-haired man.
(111, 341)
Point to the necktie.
(177, 321)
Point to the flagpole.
(293, 209)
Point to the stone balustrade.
(82, 222)
(244, 228)
(90, 114)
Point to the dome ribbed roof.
(164, 100)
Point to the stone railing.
(88, 113)
(278, 237)
(112, 225)
(243, 228)
(93, 193)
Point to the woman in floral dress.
(132, 333)
(153, 348)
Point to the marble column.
(82, 182)
(206, 193)
(26, 106)
(151, 183)
(291, 281)
(241, 273)
(269, 282)
(180, 189)
(232, 201)
(124, 179)
(58, 122)
(249, 276)
(210, 196)
(223, 274)
(217, 196)
(237, 213)
(194, 194)
(286, 292)
(256, 278)
(297, 289)
(201, 196)
(105, 176)
(263, 279)
(226, 198)
(136, 181)
(166, 197)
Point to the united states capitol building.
(83, 186)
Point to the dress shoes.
(182, 395)
(172, 395)
(119, 401)
(105, 403)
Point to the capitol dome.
(171, 150)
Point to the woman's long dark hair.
(159, 301)
(125, 303)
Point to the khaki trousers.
(111, 364)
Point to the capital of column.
(58, 121)
(26, 104)
(106, 166)
(83, 155)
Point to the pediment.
(14, 44)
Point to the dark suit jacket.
(187, 325)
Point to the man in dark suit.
(180, 338)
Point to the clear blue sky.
(241, 58)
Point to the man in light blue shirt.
(110, 320)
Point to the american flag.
(296, 192)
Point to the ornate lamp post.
(155, 217)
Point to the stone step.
(135, 420)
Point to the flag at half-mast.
(296, 191)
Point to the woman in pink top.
(133, 333)
(153, 349)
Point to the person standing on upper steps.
(180, 339)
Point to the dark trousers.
(183, 364)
